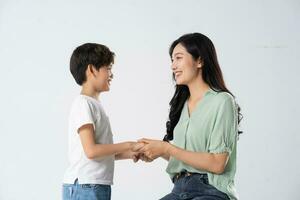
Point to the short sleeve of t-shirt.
(82, 113)
(224, 132)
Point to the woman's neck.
(197, 89)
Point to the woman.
(202, 126)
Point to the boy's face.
(102, 78)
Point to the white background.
(257, 44)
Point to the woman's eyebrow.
(179, 53)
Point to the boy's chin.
(106, 89)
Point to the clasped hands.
(148, 150)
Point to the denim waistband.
(183, 174)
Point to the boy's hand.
(137, 146)
(136, 155)
(144, 158)
(139, 153)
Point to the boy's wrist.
(129, 145)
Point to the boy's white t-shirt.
(87, 110)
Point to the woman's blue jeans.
(194, 187)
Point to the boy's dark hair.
(97, 55)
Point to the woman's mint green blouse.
(212, 128)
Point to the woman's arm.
(93, 150)
(214, 163)
(165, 156)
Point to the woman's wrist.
(167, 148)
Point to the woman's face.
(184, 66)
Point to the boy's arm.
(93, 150)
(124, 155)
(131, 153)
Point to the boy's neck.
(89, 91)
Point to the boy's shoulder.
(83, 99)
(79, 101)
(86, 106)
(86, 102)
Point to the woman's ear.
(199, 63)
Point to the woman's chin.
(180, 82)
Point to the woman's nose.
(173, 66)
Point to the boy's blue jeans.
(194, 187)
(86, 191)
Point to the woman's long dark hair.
(199, 46)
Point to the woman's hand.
(153, 148)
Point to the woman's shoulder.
(221, 97)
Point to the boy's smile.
(103, 78)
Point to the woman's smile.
(177, 74)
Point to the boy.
(91, 149)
